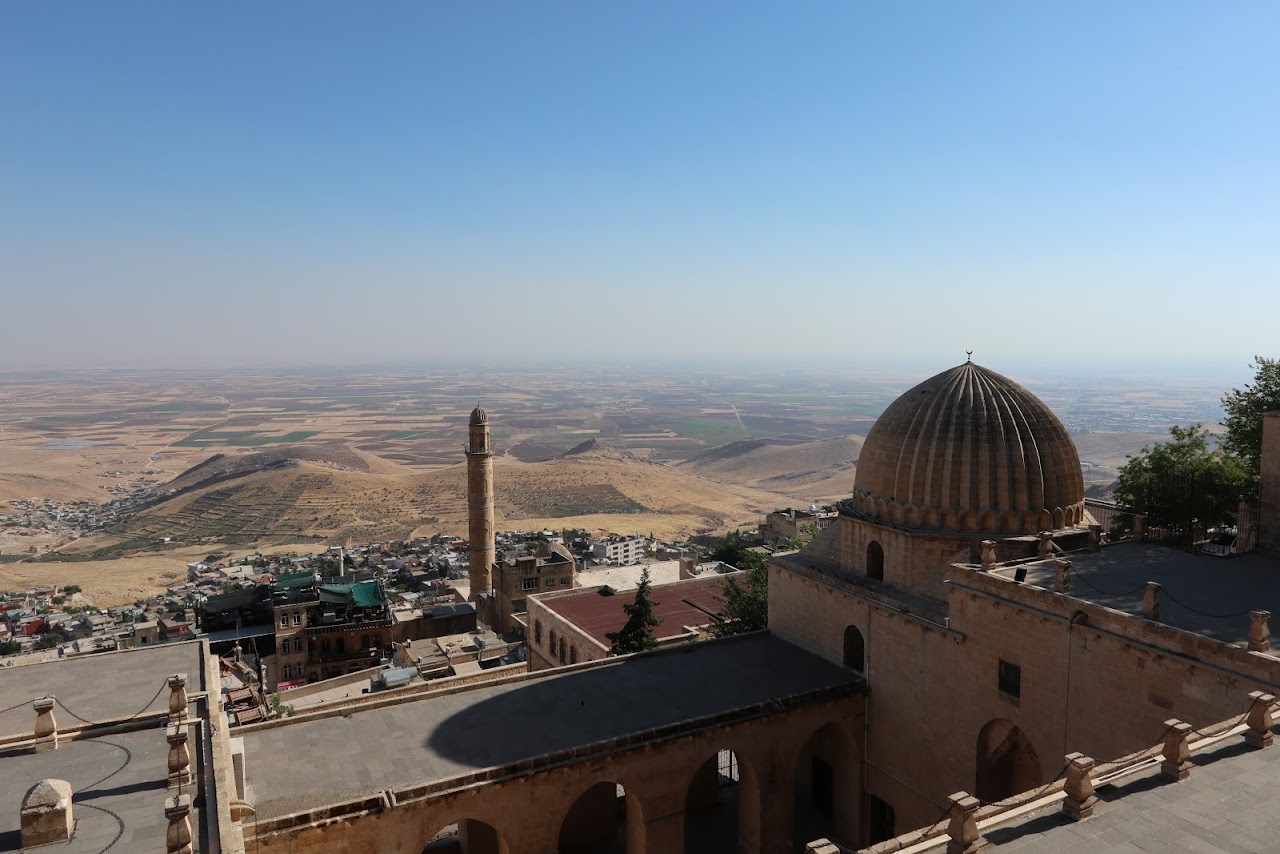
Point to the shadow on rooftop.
(568, 709)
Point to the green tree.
(637, 634)
(1183, 481)
(49, 640)
(732, 551)
(1244, 409)
(746, 606)
(10, 647)
(71, 589)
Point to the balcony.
(349, 627)
(319, 657)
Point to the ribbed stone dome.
(971, 451)
(479, 416)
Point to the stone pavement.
(1229, 804)
(435, 738)
(97, 686)
(1200, 591)
(118, 783)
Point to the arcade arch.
(1007, 762)
(467, 836)
(828, 794)
(605, 819)
(722, 807)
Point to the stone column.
(1259, 719)
(1062, 577)
(1177, 756)
(1079, 787)
(46, 814)
(963, 827)
(1260, 631)
(1044, 548)
(178, 698)
(46, 732)
(1095, 538)
(1151, 601)
(988, 554)
(177, 838)
(1139, 527)
(179, 755)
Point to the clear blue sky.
(292, 183)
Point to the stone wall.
(528, 808)
(1092, 679)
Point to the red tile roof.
(678, 604)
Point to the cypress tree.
(637, 634)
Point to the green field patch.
(712, 431)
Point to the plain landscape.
(114, 479)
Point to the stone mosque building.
(940, 660)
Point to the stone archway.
(875, 561)
(854, 649)
(467, 836)
(722, 807)
(1007, 762)
(605, 819)
(828, 794)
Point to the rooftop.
(677, 604)
(118, 782)
(1229, 804)
(1201, 593)
(98, 687)
(443, 736)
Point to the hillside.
(302, 500)
(819, 469)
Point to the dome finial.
(969, 353)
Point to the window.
(875, 561)
(537, 632)
(529, 583)
(297, 645)
(1010, 679)
(573, 655)
(550, 582)
(297, 618)
(854, 649)
(284, 621)
(565, 581)
(553, 641)
(562, 650)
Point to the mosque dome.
(970, 451)
(479, 416)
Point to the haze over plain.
(886, 185)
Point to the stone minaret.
(480, 504)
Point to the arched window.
(537, 633)
(854, 649)
(573, 655)
(562, 650)
(553, 642)
(875, 561)
(340, 645)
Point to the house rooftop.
(677, 604)
(1200, 593)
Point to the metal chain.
(163, 685)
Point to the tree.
(733, 551)
(637, 634)
(1244, 409)
(1183, 481)
(10, 647)
(71, 589)
(49, 640)
(746, 606)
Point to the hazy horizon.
(1073, 190)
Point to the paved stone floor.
(440, 737)
(118, 784)
(98, 686)
(1201, 593)
(1230, 804)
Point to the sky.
(876, 184)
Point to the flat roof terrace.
(1200, 593)
(365, 750)
(98, 686)
(677, 604)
